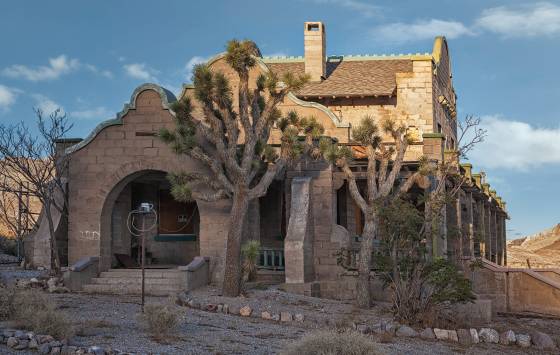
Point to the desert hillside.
(542, 249)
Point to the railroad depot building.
(122, 163)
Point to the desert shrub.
(333, 342)
(8, 245)
(35, 311)
(161, 320)
(7, 296)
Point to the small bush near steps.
(161, 320)
(332, 342)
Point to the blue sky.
(88, 56)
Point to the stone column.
(504, 240)
(470, 225)
(298, 246)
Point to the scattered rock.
(406, 331)
(299, 317)
(20, 335)
(96, 350)
(441, 334)
(474, 336)
(45, 348)
(276, 317)
(234, 309)
(245, 311)
(8, 333)
(523, 340)
(266, 315)
(453, 336)
(33, 344)
(286, 317)
(428, 334)
(220, 308)
(225, 309)
(22, 345)
(465, 337)
(489, 335)
(507, 338)
(210, 307)
(12, 342)
(363, 328)
(542, 341)
(55, 350)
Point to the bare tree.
(32, 160)
(232, 141)
(384, 167)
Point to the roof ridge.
(349, 57)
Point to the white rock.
(406, 331)
(523, 340)
(298, 317)
(441, 334)
(474, 336)
(453, 336)
(489, 335)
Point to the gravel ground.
(10, 273)
(113, 321)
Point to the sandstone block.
(286, 317)
(245, 311)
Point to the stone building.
(122, 164)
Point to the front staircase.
(158, 282)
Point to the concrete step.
(148, 274)
(135, 281)
(154, 290)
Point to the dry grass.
(7, 295)
(33, 310)
(333, 343)
(161, 320)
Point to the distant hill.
(542, 249)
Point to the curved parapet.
(165, 95)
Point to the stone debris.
(266, 315)
(245, 311)
(523, 340)
(406, 331)
(489, 335)
(453, 335)
(286, 317)
(427, 334)
(363, 328)
(542, 341)
(474, 336)
(441, 334)
(507, 338)
(299, 317)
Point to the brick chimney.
(315, 50)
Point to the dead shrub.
(330, 342)
(161, 320)
(33, 310)
(7, 296)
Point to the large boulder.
(523, 340)
(427, 334)
(507, 338)
(542, 341)
(406, 331)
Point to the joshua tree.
(32, 161)
(232, 141)
(385, 161)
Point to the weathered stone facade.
(307, 216)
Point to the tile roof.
(349, 77)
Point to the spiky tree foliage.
(231, 139)
(384, 165)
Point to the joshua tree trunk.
(363, 294)
(232, 268)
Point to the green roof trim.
(433, 135)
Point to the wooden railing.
(271, 259)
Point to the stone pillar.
(504, 240)
(298, 246)
(494, 233)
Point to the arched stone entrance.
(173, 241)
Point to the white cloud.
(539, 19)
(190, 65)
(57, 66)
(98, 113)
(7, 97)
(140, 71)
(46, 105)
(420, 30)
(105, 73)
(516, 145)
(364, 8)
